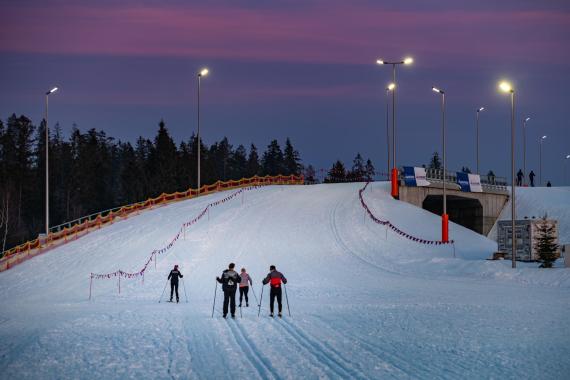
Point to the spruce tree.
(291, 159)
(435, 162)
(369, 170)
(358, 171)
(272, 161)
(545, 245)
(337, 173)
(310, 175)
(253, 167)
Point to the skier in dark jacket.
(274, 279)
(229, 280)
(531, 176)
(173, 277)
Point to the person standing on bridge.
(229, 280)
(173, 277)
(531, 176)
(274, 279)
(520, 177)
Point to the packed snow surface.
(365, 303)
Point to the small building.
(526, 234)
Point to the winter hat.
(176, 266)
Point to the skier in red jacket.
(274, 279)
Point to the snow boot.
(224, 316)
(177, 300)
(271, 315)
(233, 316)
(280, 315)
(246, 304)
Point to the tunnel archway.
(464, 211)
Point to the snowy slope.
(538, 201)
(364, 303)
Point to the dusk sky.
(303, 69)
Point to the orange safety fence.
(25, 251)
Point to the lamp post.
(565, 167)
(394, 174)
(47, 159)
(526, 119)
(508, 88)
(540, 159)
(444, 216)
(201, 74)
(479, 110)
(390, 87)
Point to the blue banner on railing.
(470, 183)
(415, 176)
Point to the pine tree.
(545, 245)
(272, 161)
(369, 170)
(337, 173)
(435, 162)
(291, 159)
(162, 162)
(253, 167)
(238, 163)
(358, 171)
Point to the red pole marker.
(395, 188)
(445, 228)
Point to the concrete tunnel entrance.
(464, 211)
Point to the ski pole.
(160, 299)
(260, 299)
(287, 299)
(215, 292)
(184, 286)
(253, 290)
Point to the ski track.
(261, 364)
(321, 352)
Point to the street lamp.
(526, 119)
(390, 87)
(394, 174)
(201, 74)
(508, 88)
(565, 167)
(479, 110)
(540, 159)
(54, 89)
(444, 216)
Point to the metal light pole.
(479, 110)
(201, 74)
(394, 174)
(47, 159)
(390, 87)
(540, 159)
(524, 149)
(508, 88)
(444, 216)
(566, 167)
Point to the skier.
(173, 277)
(229, 280)
(548, 184)
(520, 177)
(244, 287)
(274, 278)
(531, 176)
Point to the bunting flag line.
(392, 227)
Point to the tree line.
(91, 171)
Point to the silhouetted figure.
(548, 184)
(520, 177)
(531, 176)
